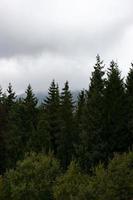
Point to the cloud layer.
(46, 39)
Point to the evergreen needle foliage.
(90, 139)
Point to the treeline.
(89, 131)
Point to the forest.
(69, 150)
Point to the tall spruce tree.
(2, 132)
(80, 118)
(10, 97)
(9, 101)
(51, 118)
(67, 136)
(80, 110)
(129, 106)
(30, 105)
(21, 125)
(114, 119)
(14, 135)
(91, 145)
(30, 116)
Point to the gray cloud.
(45, 39)
(27, 29)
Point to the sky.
(42, 40)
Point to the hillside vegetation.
(62, 149)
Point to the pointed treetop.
(66, 92)
(66, 87)
(97, 81)
(113, 70)
(99, 63)
(114, 83)
(53, 83)
(30, 96)
(53, 93)
(0, 91)
(10, 91)
(66, 96)
(129, 81)
(114, 66)
(52, 87)
(81, 97)
(10, 98)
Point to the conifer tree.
(7, 105)
(91, 145)
(10, 97)
(14, 136)
(80, 118)
(129, 106)
(114, 119)
(2, 133)
(30, 115)
(13, 129)
(80, 110)
(49, 123)
(30, 100)
(22, 122)
(67, 137)
(30, 108)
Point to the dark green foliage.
(2, 192)
(6, 104)
(39, 177)
(114, 120)
(113, 183)
(30, 111)
(67, 137)
(29, 117)
(33, 178)
(129, 82)
(51, 117)
(2, 132)
(89, 131)
(129, 105)
(90, 149)
(71, 184)
(80, 121)
(41, 141)
(80, 111)
(14, 135)
(10, 97)
(93, 133)
(22, 120)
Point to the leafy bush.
(70, 185)
(33, 178)
(1, 188)
(115, 182)
(38, 177)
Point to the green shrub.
(38, 177)
(1, 188)
(113, 183)
(33, 178)
(70, 185)
(116, 182)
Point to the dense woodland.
(64, 149)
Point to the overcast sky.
(41, 40)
